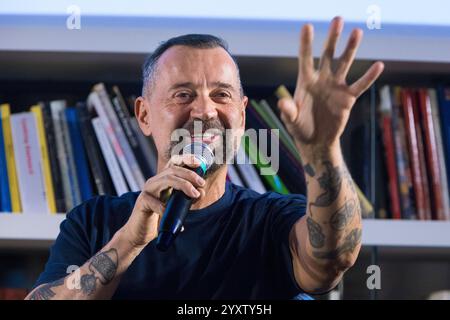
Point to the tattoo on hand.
(351, 241)
(331, 182)
(45, 292)
(316, 236)
(342, 217)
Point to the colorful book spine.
(432, 157)
(5, 197)
(81, 165)
(10, 159)
(138, 181)
(109, 156)
(29, 163)
(413, 150)
(388, 141)
(49, 189)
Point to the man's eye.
(223, 95)
(183, 96)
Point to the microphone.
(179, 203)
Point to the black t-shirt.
(236, 248)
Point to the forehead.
(182, 63)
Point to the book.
(248, 172)
(440, 150)
(266, 171)
(125, 120)
(137, 180)
(388, 141)
(97, 164)
(16, 204)
(5, 197)
(432, 158)
(49, 130)
(49, 189)
(109, 156)
(406, 190)
(413, 152)
(29, 163)
(94, 102)
(148, 147)
(443, 94)
(81, 164)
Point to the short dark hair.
(199, 41)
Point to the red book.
(432, 158)
(388, 141)
(413, 149)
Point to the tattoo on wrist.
(351, 241)
(343, 216)
(316, 236)
(45, 292)
(88, 283)
(330, 181)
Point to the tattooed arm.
(98, 278)
(326, 241)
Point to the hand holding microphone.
(179, 175)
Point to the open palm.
(319, 110)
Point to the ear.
(142, 113)
(244, 106)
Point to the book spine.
(410, 126)
(440, 150)
(29, 168)
(37, 111)
(97, 163)
(10, 159)
(432, 155)
(389, 148)
(94, 101)
(57, 107)
(147, 145)
(82, 170)
(404, 173)
(108, 154)
(248, 172)
(58, 187)
(5, 197)
(139, 180)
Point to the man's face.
(193, 88)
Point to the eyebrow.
(191, 85)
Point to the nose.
(203, 108)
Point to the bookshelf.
(38, 231)
(38, 52)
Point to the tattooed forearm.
(103, 267)
(105, 263)
(330, 181)
(342, 217)
(316, 236)
(351, 241)
(45, 292)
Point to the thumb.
(288, 109)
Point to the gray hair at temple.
(199, 41)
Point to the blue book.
(79, 154)
(444, 112)
(5, 197)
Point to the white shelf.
(256, 38)
(39, 231)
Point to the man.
(236, 243)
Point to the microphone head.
(202, 152)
